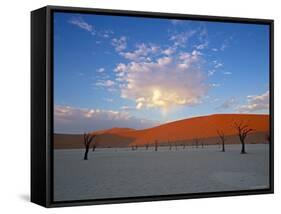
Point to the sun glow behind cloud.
(165, 82)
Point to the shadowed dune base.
(66, 141)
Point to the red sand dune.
(187, 130)
(197, 127)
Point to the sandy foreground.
(112, 173)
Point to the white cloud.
(229, 103)
(110, 100)
(121, 67)
(79, 22)
(127, 108)
(186, 59)
(105, 83)
(223, 47)
(181, 39)
(100, 70)
(106, 33)
(141, 52)
(80, 74)
(82, 24)
(168, 51)
(202, 46)
(165, 82)
(256, 103)
(225, 44)
(119, 44)
(176, 21)
(215, 85)
(227, 73)
(211, 72)
(217, 64)
(69, 119)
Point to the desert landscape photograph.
(154, 107)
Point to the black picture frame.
(42, 105)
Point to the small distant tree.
(222, 137)
(267, 137)
(170, 145)
(243, 131)
(95, 146)
(156, 145)
(146, 146)
(196, 142)
(183, 146)
(87, 142)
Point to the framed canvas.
(134, 106)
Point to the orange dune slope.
(113, 131)
(197, 127)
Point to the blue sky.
(139, 72)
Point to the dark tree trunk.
(156, 146)
(87, 142)
(94, 148)
(223, 150)
(86, 153)
(243, 147)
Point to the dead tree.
(170, 145)
(94, 146)
(156, 145)
(267, 137)
(87, 142)
(222, 137)
(243, 130)
(196, 142)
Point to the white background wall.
(15, 105)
